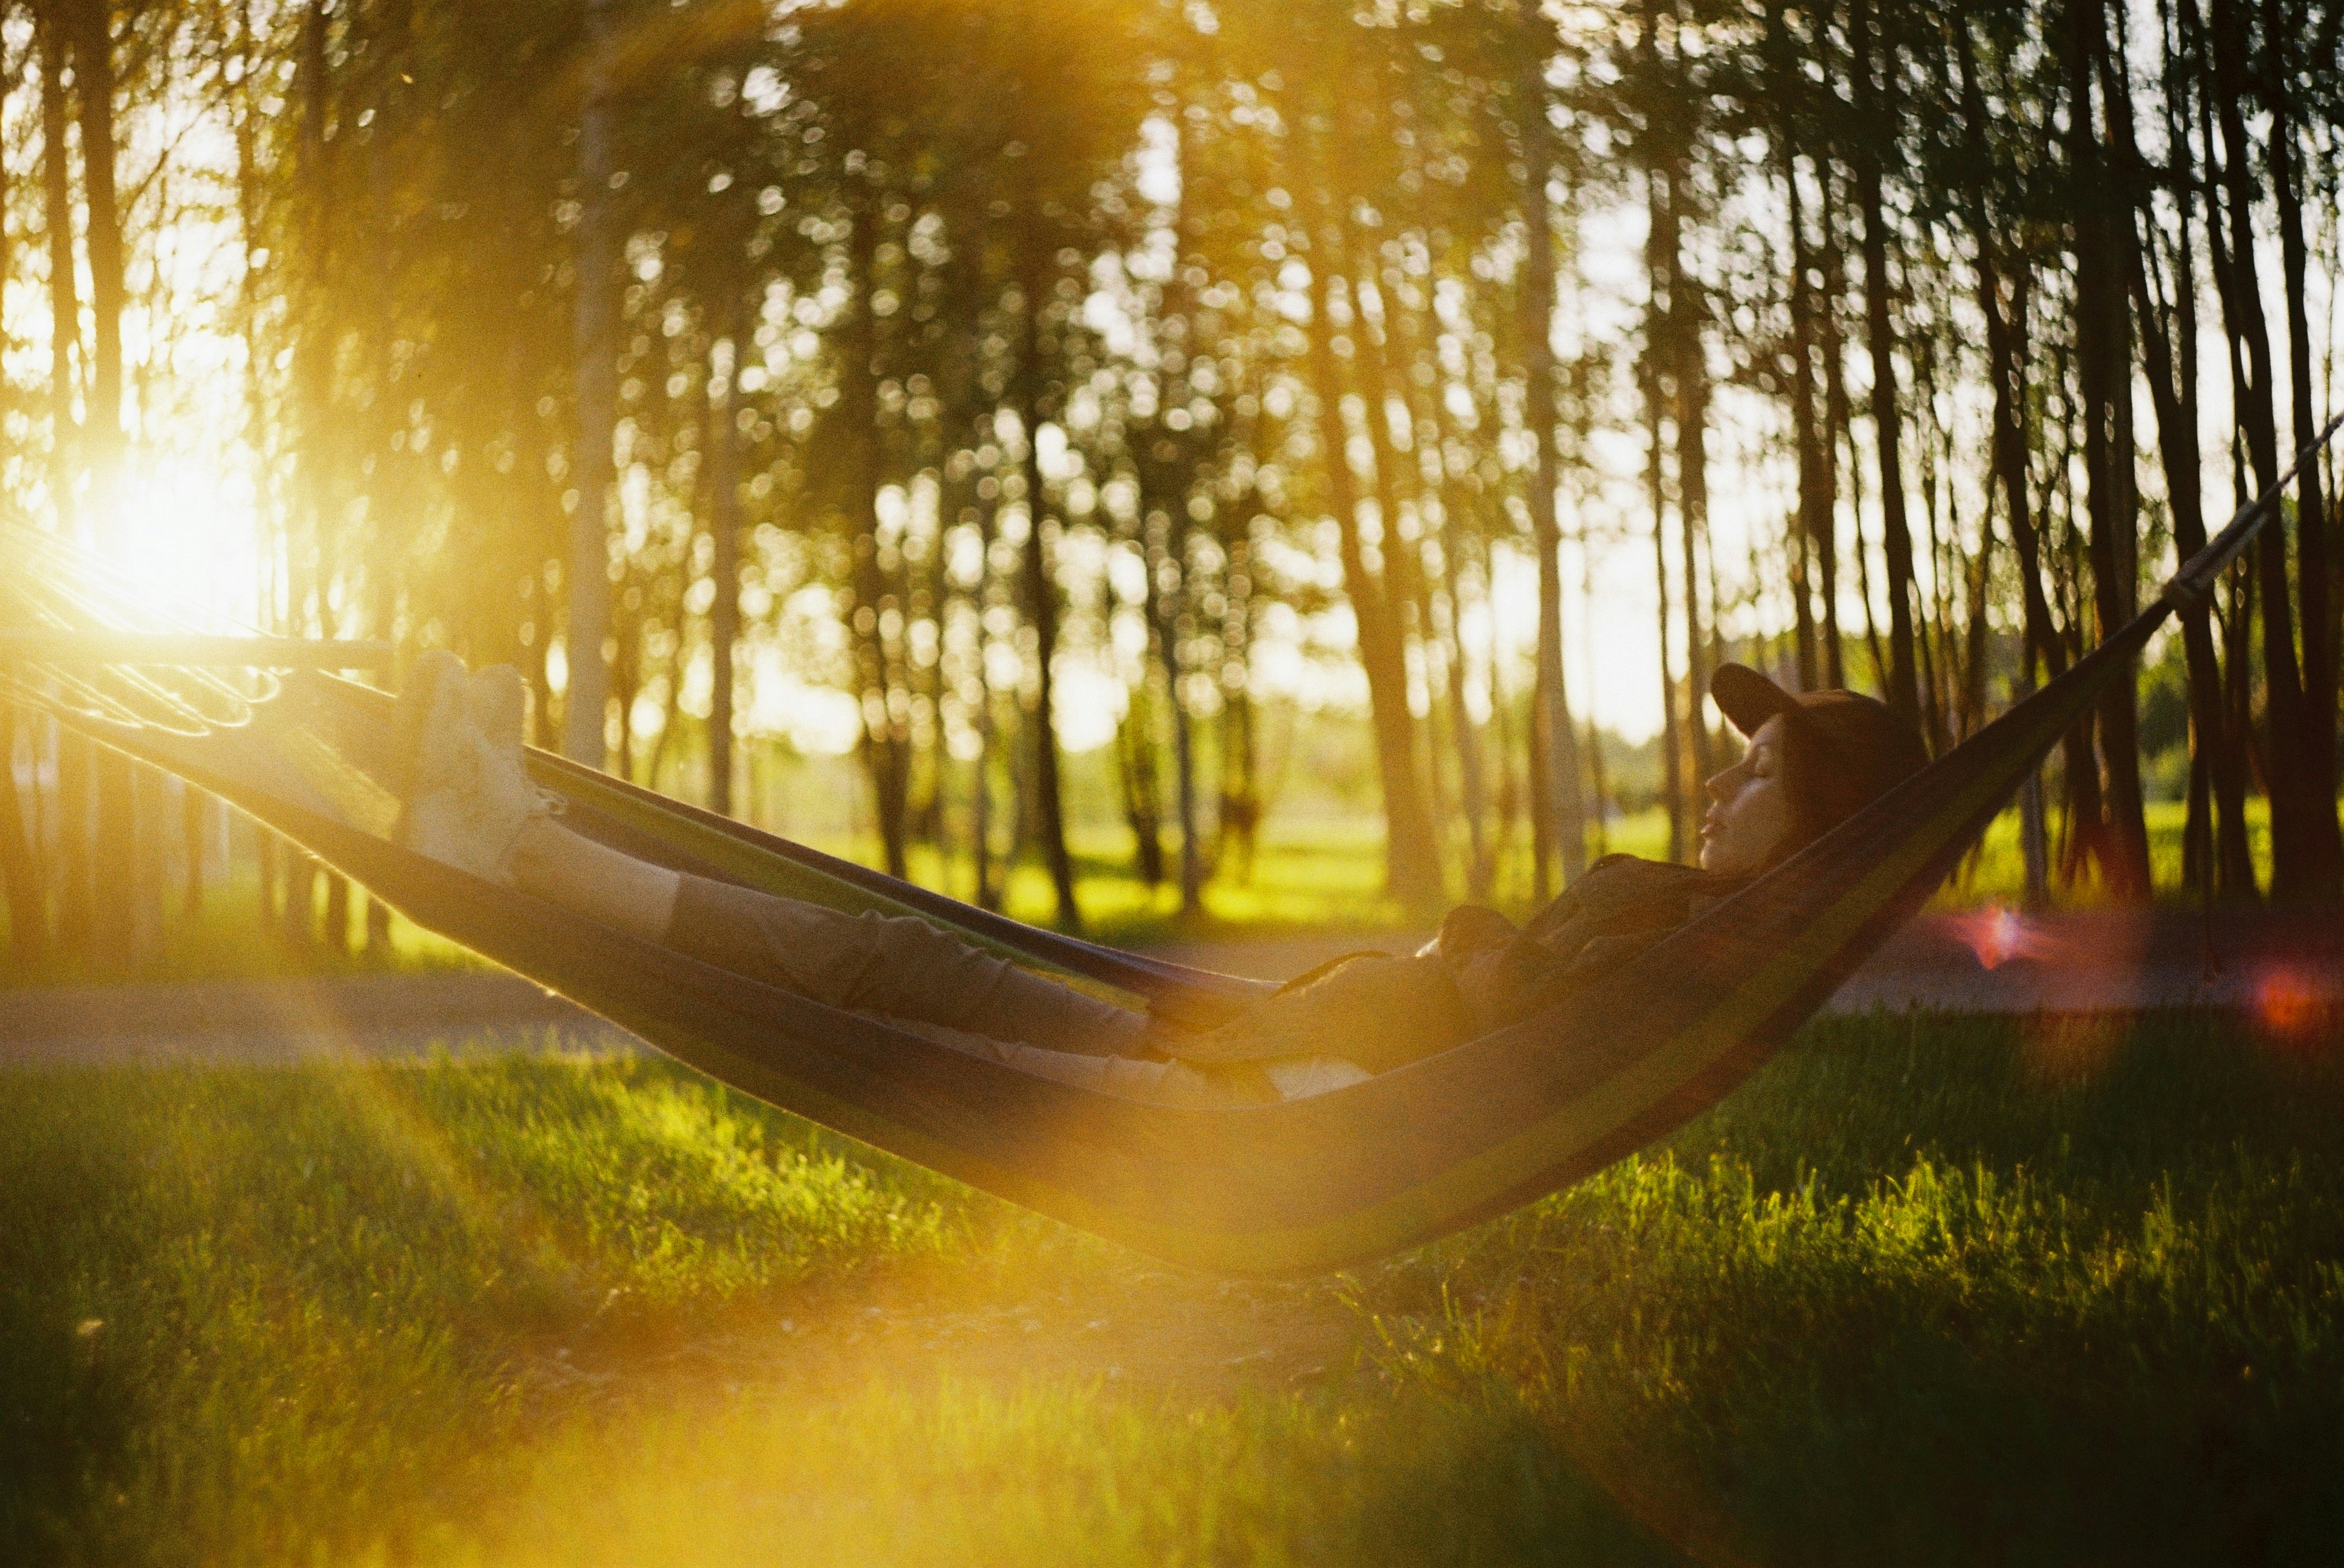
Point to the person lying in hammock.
(1813, 761)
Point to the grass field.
(1924, 1291)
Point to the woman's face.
(1749, 808)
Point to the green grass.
(1923, 1291)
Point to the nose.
(1723, 783)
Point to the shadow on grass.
(1923, 1291)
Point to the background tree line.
(919, 349)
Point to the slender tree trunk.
(980, 831)
(1143, 808)
(595, 328)
(1042, 590)
(1896, 536)
(2322, 873)
(1411, 866)
(1813, 522)
(2103, 356)
(1559, 803)
(1692, 523)
(1836, 421)
(116, 883)
(887, 739)
(65, 447)
(1437, 487)
(2006, 370)
(1403, 576)
(93, 97)
(2295, 850)
(1167, 610)
(724, 565)
(20, 871)
(1673, 782)
(2218, 774)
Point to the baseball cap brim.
(1749, 699)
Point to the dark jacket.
(1479, 974)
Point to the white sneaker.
(500, 703)
(469, 796)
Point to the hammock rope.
(1290, 1188)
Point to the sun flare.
(185, 534)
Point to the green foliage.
(1925, 1290)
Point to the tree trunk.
(1693, 524)
(725, 567)
(1411, 866)
(980, 826)
(2323, 875)
(1440, 487)
(20, 871)
(1143, 805)
(1404, 578)
(1836, 420)
(2217, 804)
(66, 452)
(1041, 588)
(594, 341)
(1896, 536)
(887, 739)
(2295, 846)
(1559, 803)
(1673, 782)
(115, 882)
(1168, 607)
(92, 61)
(1813, 522)
(2103, 357)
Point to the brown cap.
(1845, 749)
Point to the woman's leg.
(471, 804)
(896, 964)
(552, 862)
(900, 965)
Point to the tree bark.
(2217, 804)
(117, 885)
(1837, 417)
(594, 340)
(1405, 590)
(66, 451)
(1041, 588)
(2322, 873)
(2103, 357)
(1559, 804)
(1429, 419)
(887, 739)
(1814, 522)
(1896, 535)
(20, 871)
(1411, 866)
(2295, 847)
(28, 889)
(1673, 781)
(725, 557)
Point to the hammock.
(1290, 1188)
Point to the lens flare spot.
(2286, 1002)
(1997, 934)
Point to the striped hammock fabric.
(1291, 1188)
